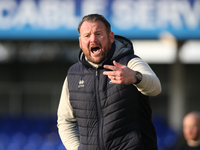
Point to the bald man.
(191, 131)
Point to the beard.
(103, 55)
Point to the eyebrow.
(97, 31)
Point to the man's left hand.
(120, 74)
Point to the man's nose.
(93, 38)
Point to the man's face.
(94, 41)
(191, 128)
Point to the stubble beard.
(103, 55)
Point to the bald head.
(191, 126)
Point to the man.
(191, 131)
(104, 102)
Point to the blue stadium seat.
(4, 139)
(29, 133)
(2, 147)
(29, 146)
(47, 146)
(13, 146)
(18, 138)
(61, 147)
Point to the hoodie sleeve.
(150, 84)
(67, 125)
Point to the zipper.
(101, 145)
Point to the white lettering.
(168, 15)
(97, 6)
(146, 15)
(47, 14)
(123, 12)
(7, 10)
(50, 14)
(67, 15)
(26, 14)
(149, 15)
(191, 15)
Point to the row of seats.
(40, 133)
(29, 133)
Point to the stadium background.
(39, 41)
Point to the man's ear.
(111, 37)
(80, 42)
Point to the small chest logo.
(81, 83)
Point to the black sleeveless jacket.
(107, 113)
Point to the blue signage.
(135, 19)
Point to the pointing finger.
(117, 64)
(109, 73)
(110, 67)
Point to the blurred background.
(39, 42)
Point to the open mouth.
(95, 50)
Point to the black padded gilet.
(107, 113)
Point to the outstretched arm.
(120, 74)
